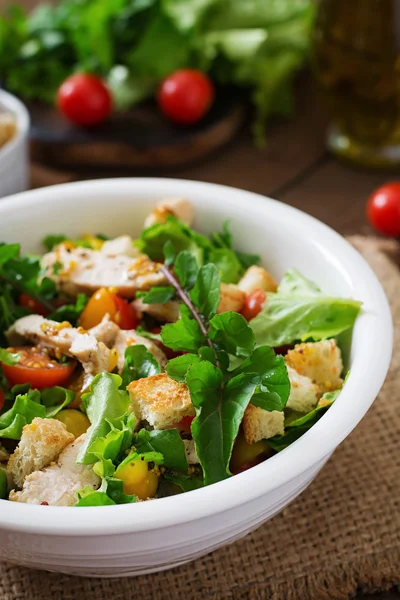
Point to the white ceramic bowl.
(151, 536)
(14, 154)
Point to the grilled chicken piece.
(63, 339)
(162, 312)
(106, 331)
(57, 485)
(176, 207)
(120, 245)
(85, 270)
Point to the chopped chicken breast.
(63, 339)
(180, 208)
(162, 312)
(58, 484)
(120, 245)
(85, 270)
(106, 331)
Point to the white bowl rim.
(315, 446)
(21, 113)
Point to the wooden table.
(293, 167)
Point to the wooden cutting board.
(141, 138)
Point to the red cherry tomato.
(37, 368)
(253, 304)
(105, 302)
(33, 305)
(186, 96)
(2, 399)
(383, 209)
(84, 99)
(125, 315)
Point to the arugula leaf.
(274, 389)
(232, 332)
(229, 267)
(8, 358)
(186, 269)
(167, 442)
(176, 368)
(154, 238)
(115, 491)
(219, 412)
(206, 291)
(302, 312)
(54, 239)
(104, 403)
(157, 295)
(169, 253)
(187, 483)
(139, 363)
(183, 336)
(22, 413)
(70, 312)
(296, 424)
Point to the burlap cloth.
(340, 537)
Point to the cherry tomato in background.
(84, 99)
(186, 96)
(102, 302)
(37, 368)
(2, 398)
(33, 305)
(383, 209)
(253, 304)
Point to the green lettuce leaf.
(104, 404)
(296, 424)
(22, 413)
(167, 442)
(299, 311)
(8, 358)
(95, 499)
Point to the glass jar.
(356, 55)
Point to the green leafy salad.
(135, 44)
(137, 369)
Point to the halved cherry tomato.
(253, 304)
(185, 424)
(37, 368)
(2, 399)
(102, 302)
(32, 304)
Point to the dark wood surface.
(294, 167)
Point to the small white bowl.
(14, 154)
(116, 541)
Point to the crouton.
(231, 298)
(191, 454)
(160, 401)
(260, 424)
(58, 484)
(304, 393)
(41, 443)
(162, 312)
(176, 207)
(320, 361)
(257, 278)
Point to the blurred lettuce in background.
(255, 44)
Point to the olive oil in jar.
(356, 51)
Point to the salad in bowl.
(138, 369)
